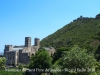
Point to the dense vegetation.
(2, 62)
(74, 59)
(4, 72)
(69, 59)
(83, 31)
(41, 60)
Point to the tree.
(41, 60)
(2, 62)
(97, 53)
(59, 53)
(78, 58)
(97, 16)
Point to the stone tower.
(27, 41)
(7, 48)
(37, 42)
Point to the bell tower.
(37, 42)
(27, 41)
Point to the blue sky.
(39, 18)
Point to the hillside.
(83, 31)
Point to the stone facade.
(22, 54)
(51, 50)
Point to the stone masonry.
(22, 54)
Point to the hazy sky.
(39, 18)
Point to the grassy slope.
(82, 31)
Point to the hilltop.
(83, 31)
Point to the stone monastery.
(22, 54)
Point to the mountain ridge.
(81, 31)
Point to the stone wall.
(22, 54)
(12, 57)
